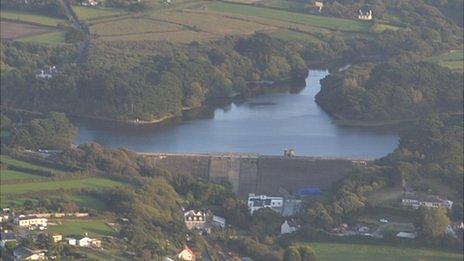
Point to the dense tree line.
(391, 91)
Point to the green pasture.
(299, 18)
(22, 188)
(47, 38)
(453, 59)
(86, 201)
(31, 18)
(356, 252)
(94, 227)
(94, 13)
(6, 174)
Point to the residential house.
(186, 254)
(57, 238)
(289, 226)
(416, 201)
(195, 219)
(407, 235)
(95, 243)
(319, 5)
(365, 16)
(256, 202)
(6, 237)
(31, 221)
(83, 241)
(24, 253)
(71, 241)
(46, 73)
(89, 3)
(219, 222)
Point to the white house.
(289, 226)
(47, 72)
(365, 16)
(186, 254)
(71, 241)
(84, 241)
(415, 202)
(30, 221)
(195, 219)
(24, 253)
(57, 238)
(319, 5)
(408, 235)
(256, 202)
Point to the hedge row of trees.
(391, 91)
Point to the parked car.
(383, 220)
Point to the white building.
(195, 219)
(319, 5)
(31, 221)
(365, 16)
(289, 226)
(426, 201)
(256, 202)
(71, 241)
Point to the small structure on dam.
(253, 173)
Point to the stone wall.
(249, 173)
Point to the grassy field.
(453, 60)
(132, 26)
(19, 163)
(22, 188)
(13, 174)
(89, 202)
(356, 252)
(94, 227)
(90, 13)
(31, 18)
(14, 30)
(298, 18)
(48, 38)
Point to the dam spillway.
(254, 173)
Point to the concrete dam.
(253, 173)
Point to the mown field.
(30, 27)
(94, 227)
(453, 60)
(31, 18)
(356, 252)
(21, 188)
(89, 13)
(298, 18)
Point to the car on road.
(383, 220)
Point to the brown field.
(14, 30)
(132, 26)
(180, 36)
(213, 23)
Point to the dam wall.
(252, 173)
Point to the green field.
(7, 174)
(356, 252)
(48, 38)
(19, 163)
(453, 59)
(92, 13)
(94, 227)
(89, 202)
(31, 18)
(313, 20)
(58, 184)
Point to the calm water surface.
(266, 124)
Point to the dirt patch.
(13, 30)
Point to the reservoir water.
(266, 124)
